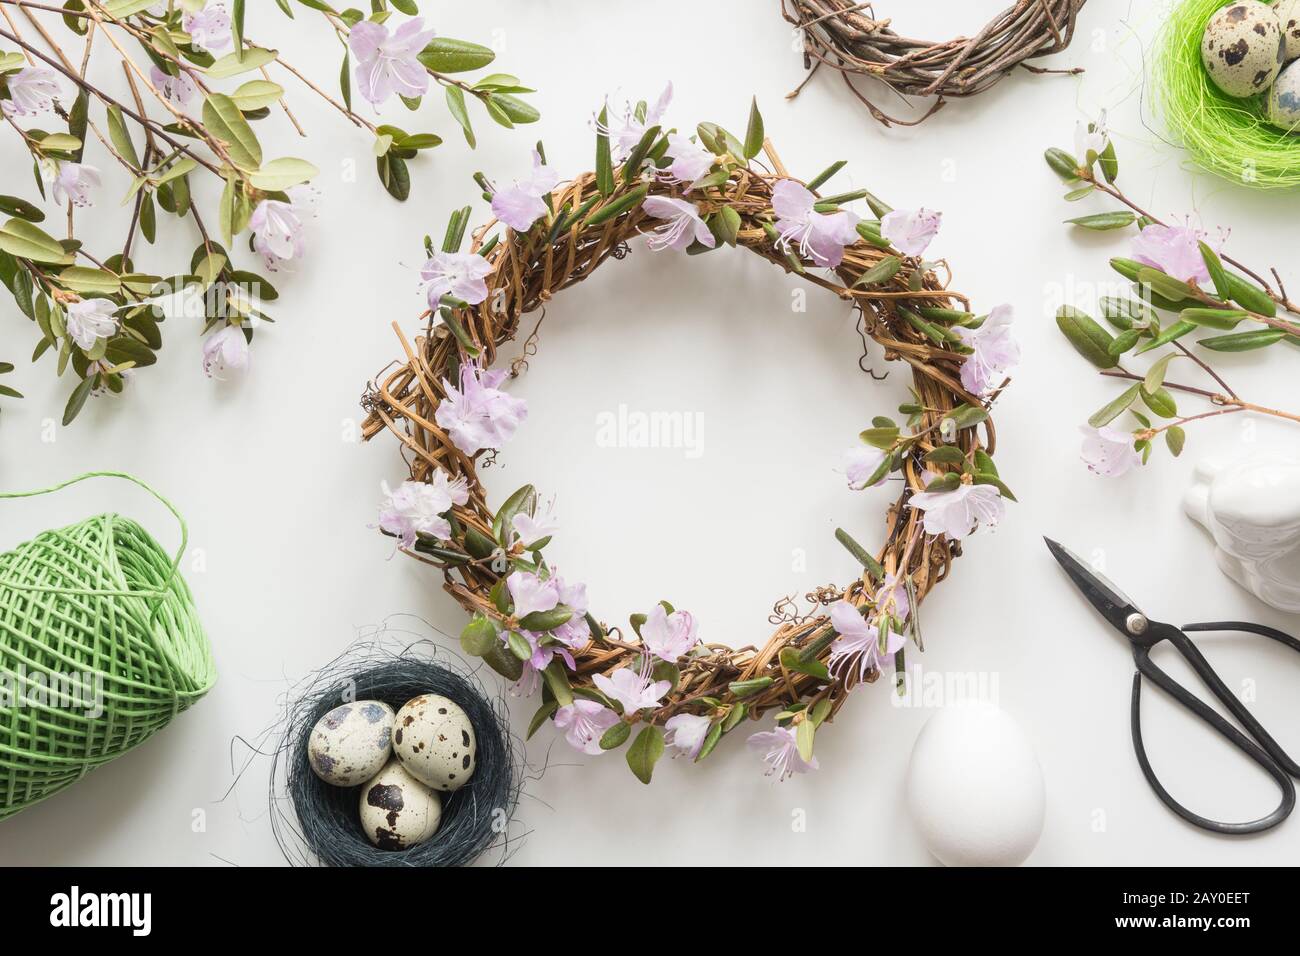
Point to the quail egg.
(1288, 15)
(434, 739)
(351, 743)
(1284, 100)
(1243, 48)
(397, 811)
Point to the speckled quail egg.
(434, 738)
(1243, 48)
(1288, 15)
(1284, 100)
(397, 811)
(351, 743)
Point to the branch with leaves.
(96, 312)
(1183, 285)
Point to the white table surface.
(279, 493)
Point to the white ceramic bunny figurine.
(1251, 508)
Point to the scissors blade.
(1113, 603)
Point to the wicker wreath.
(903, 304)
(848, 37)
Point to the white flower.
(584, 723)
(667, 636)
(32, 90)
(1089, 144)
(780, 750)
(1108, 451)
(686, 733)
(177, 90)
(860, 463)
(959, 513)
(89, 320)
(72, 182)
(277, 227)
(479, 414)
(209, 29)
(911, 231)
(417, 507)
(859, 642)
(682, 224)
(996, 352)
(690, 160)
(225, 350)
(634, 691)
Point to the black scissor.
(1144, 634)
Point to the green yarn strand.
(100, 647)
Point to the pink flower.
(891, 598)
(389, 63)
(208, 29)
(278, 233)
(686, 733)
(521, 205)
(531, 528)
(32, 90)
(626, 130)
(960, 513)
(225, 351)
(418, 507)
(178, 90)
(1108, 451)
(860, 463)
(540, 659)
(1174, 250)
(821, 236)
(911, 232)
(584, 723)
(89, 320)
(859, 642)
(634, 691)
(479, 415)
(996, 352)
(780, 752)
(531, 593)
(459, 274)
(73, 182)
(575, 632)
(682, 224)
(669, 637)
(690, 160)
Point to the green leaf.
(1243, 341)
(1251, 297)
(456, 106)
(869, 563)
(883, 437)
(1063, 164)
(1175, 331)
(519, 645)
(754, 131)
(1088, 338)
(479, 636)
(505, 663)
(1123, 342)
(1156, 374)
(77, 400)
(1175, 438)
(645, 753)
(256, 95)
(547, 620)
(1160, 401)
(394, 175)
(557, 679)
(20, 238)
(632, 165)
(804, 738)
(281, 174)
(882, 271)
(543, 714)
(1217, 274)
(1112, 410)
(225, 121)
(1213, 318)
(616, 736)
(1104, 221)
(1175, 290)
(516, 109)
(1109, 163)
(747, 688)
(13, 206)
(84, 279)
(121, 137)
(619, 206)
(237, 25)
(445, 55)
(792, 659)
(232, 64)
(949, 481)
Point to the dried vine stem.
(848, 37)
(528, 270)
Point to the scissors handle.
(1269, 756)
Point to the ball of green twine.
(1229, 137)
(100, 647)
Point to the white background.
(280, 494)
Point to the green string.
(100, 604)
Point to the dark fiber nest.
(327, 829)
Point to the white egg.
(397, 811)
(1288, 15)
(975, 788)
(1243, 48)
(434, 738)
(351, 743)
(1284, 100)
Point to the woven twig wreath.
(904, 306)
(848, 37)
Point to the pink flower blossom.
(1108, 451)
(459, 274)
(178, 90)
(686, 732)
(575, 632)
(634, 691)
(996, 352)
(389, 63)
(32, 90)
(690, 160)
(820, 236)
(531, 593)
(278, 232)
(682, 224)
(626, 129)
(479, 415)
(584, 723)
(859, 642)
(521, 205)
(225, 351)
(780, 752)
(958, 514)
(1174, 250)
(540, 659)
(89, 320)
(209, 29)
(669, 637)
(532, 528)
(911, 231)
(418, 507)
(73, 182)
(860, 463)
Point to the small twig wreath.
(529, 624)
(848, 37)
